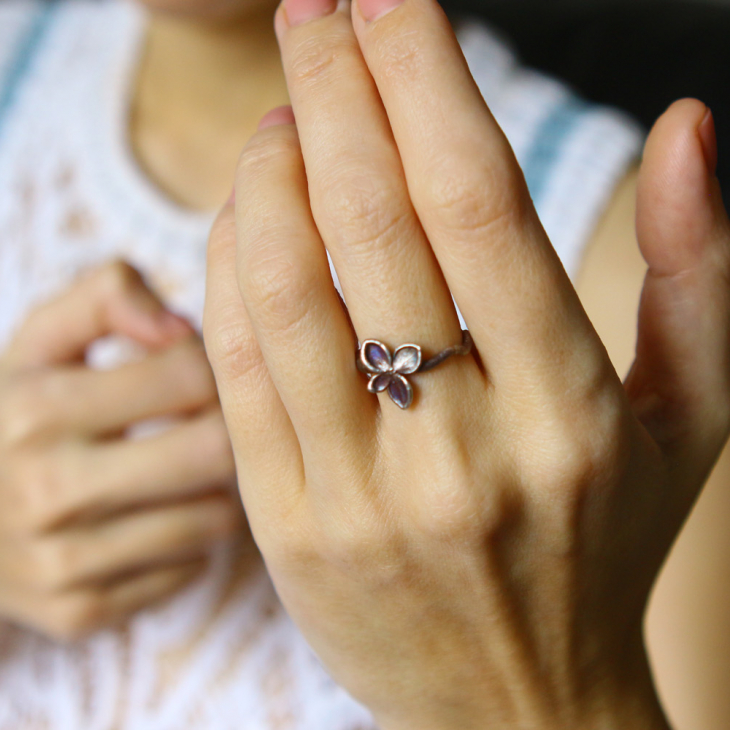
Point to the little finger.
(286, 284)
(70, 616)
(251, 404)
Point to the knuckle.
(580, 453)
(119, 277)
(568, 484)
(361, 544)
(262, 150)
(26, 412)
(365, 212)
(74, 616)
(233, 351)
(43, 487)
(454, 512)
(317, 59)
(448, 502)
(596, 436)
(469, 199)
(290, 548)
(403, 60)
(576, 463)
(279, 293)
(351, 551)
(56, 564)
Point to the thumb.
(113, 299)
(680, 382)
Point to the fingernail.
(300, 11)
(373, 9)
(279, 115)
(232, 197)
(708, 137)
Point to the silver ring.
(388, 372)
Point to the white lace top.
(223, 654)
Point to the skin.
(354, 529)
(687, 630)
(187, 133)
(93, 525)
(202, 86)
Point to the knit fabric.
(222, 654)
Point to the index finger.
(471, 196)
(113, 299)
(176, 381)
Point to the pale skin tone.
(688, 631)
(357, 571)
(203, 84)
(188, 139)
(96, 525)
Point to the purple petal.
(407, 359)
(400, 391)
(375, 357)
(380, 382)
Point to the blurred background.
(639, 55)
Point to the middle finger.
(392, 283)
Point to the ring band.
(388, 372)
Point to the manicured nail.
(279, 115)
(373, 9)
(708, 137)
(300, 11)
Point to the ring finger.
(391, 281)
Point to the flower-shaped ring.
(388, 372)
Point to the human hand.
(482, 559)
(93, 525)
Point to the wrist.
(623, 717)
(629, 701)
(624, 699)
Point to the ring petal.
(400, 391)
(376, 357)
(407, 359)
(379, 383)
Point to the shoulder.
(19, 23)
(30, 28)
(574, 153)
(16, 17)
(63, 78)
